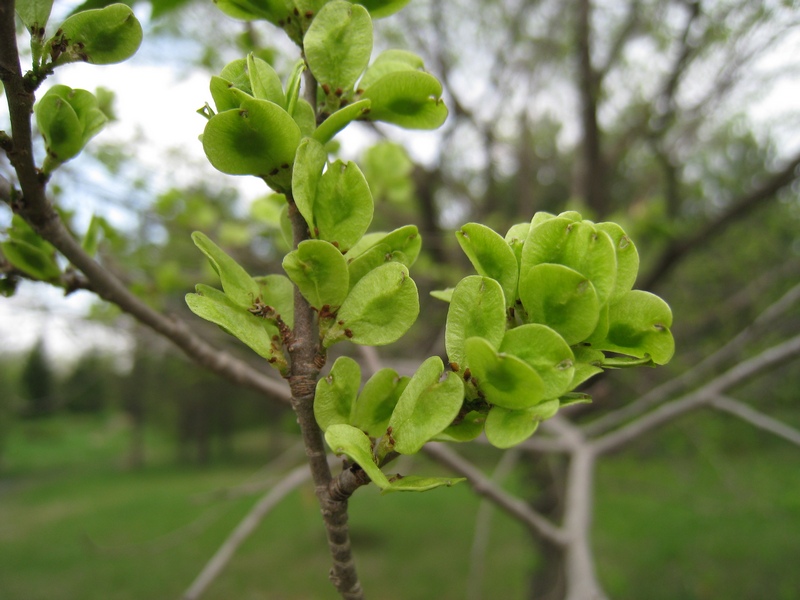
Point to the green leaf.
(92, 236)
(446, 294)
(469, 428)
(426, 407)
(477, 308)
(503, 379)
(259, 138)
(627, 258)
(639, 325)
(278, 292)
(304, 116)
(515, 238)
(587, 364)
(259, 334)
(547, 352)
(319, 271)
(561, 298)
(336, 393)
(309, 162)
(337, 204)
(101, 37)
(67, 119)
(506, 428)
(410, 99)
(273, 11)
(578, 245)
(390, 61)
(383, 8)
(342, 206)
(30, 259)
(338, 45)
(293, 88)
(339, 120)
(413, 483)
(378, 310)
(491, 256)
(238, 285)
(346, 439)
(264, 81)
(34, 14)
(373, 408)
(401, 245)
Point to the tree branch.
(756, 418)
(483, 486)
(770, 358)
(37, 210)
(246, 527)
(678, 249)
(700, 371)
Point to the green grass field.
(75, 525)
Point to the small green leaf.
(293, 88)
(413, 483)
(373, 408)
(547, 352)
(259, 138)
(338, 45)
(477, 308)
(337, 204)
(506, 428)
(426, 407)
(561, 298)
(639, 325)
(67, 119)
(264, 81)
(383, 8)
(446, 294)
(304, 116)
(336, 393)
(470, 427)
(259, 334)
(346, 439)
(587, 364)
(578, 245)
(401, 245)
(273, 11)
(92, 236)
(491, 256)
(515, 238)
(390, 61)
(278, 292)
(319, 271)
(30, 259)
(34, 14)
(342, 206)
(101, 37)
(339, 120)
(410, 99)
(627, 257)
(503, 379)
(378, 310)
(238, 285)
(309, 162)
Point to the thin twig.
(756, 418)
(483, 527)
(770, 358)
(222, 556)
(483, 486)
(700, 371)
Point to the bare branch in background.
(745, 370)
(246, 527)
(756, 418)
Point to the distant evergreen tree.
(89, 388)
(37, 384)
